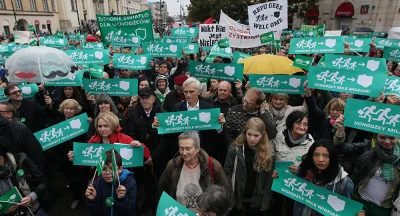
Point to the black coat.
(32, 115)
(171, 99)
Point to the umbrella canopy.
(91, 38)
(269, 64)
(39, 64)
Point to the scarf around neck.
(290, 141)
(388, 157)
(278, 114)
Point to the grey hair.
(191, 135)
(214, 199)
(191, 80)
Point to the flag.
(113, 164)
(208, 21)
(99, 167)
(190, 23)
(59, 34)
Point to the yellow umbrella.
(269, 64)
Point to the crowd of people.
(228, 171)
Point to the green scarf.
(388, 157)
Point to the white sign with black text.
(211, 33)
(267, 17)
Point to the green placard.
(59, 34)
(278, 83)
(112, 87)
(75, 80)
(29, 90)
(191, 48)
(303, 62)
(176, 40)
(167, 206)
(89, 56)
(222, 52)
(173, 122)
(320, 29)
(88, 154)
(228, 72)
(392, 86)
(9, 199)
(391, 54)
(140, 24)
(3, 48)
(63, 131)
(132, 62)
(163, 50)
(372, 116)
(187, 31)
(379, 34)
(13, 47)
(4, 57)
(77, 37)
(53, 42)
(321, 62)
(267, 37)
(358, 44)
(384, 42)
(239, 56)
(300, 33)
(356, 63)
(316, 45)
(96, 70)
(123, 39)
(31, 28)
(315, 197)
(93, 45)
(353, 82)
(283, 165)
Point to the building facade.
(43, 14)
(131, 6)
(155, 11)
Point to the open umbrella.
(91, 38)
(39, 64)
(269, 64)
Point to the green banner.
(167, 206)
(53, 42)
(358, 63)
(112, 87)
(353, 82)
(94, 45)
(29, 90)
(163, 50)
(87, 154)
(89, 56)
(187, 31)
(174, 122)
(320, 29)
(267, 37)
(59, 34)
(123, 39)
(372, 116)
(75, 80)
(140, 24)
(379, 34)
(13, 47)
(391, 54)
(77, 37)
(384, 42)
(239, 56)
(63, 131)
(300, 33)
(321, 62)
(32, 28)
(3, 48)
(316, 45)
(176, 40)
(96, 70)
(358, 44)
(284, 165)
(222, 52)
(228, 72)
(278, 83)
(303, 62)
(392, 86)
(315, 197)
(191, 48)
(4, 57)
(9, 199)
(132, 62)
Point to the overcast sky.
(173, 6)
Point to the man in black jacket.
(224, 100)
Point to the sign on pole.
(316, 45)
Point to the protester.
(224, 98)
(213, 201)
(162, 87)
(175, 96)
(7, 110)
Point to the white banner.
(211, 33)
(267, 17)
(22, 37)
(239, 34)
(333, 33)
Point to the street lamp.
(77, 14)
(15, 15)
(161, 19)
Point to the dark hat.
(147, 91)
(179, 80)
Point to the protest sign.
(300, 33)
(303, 62)
(379, 34)
(123, 39)
(333, 33)
(88, 154)
(358, 44)
(33, 42)
(269, 16)
(163, 50)
(187, 31)
(321, 62)
(167, 206)
(77, 37)
(22, 37)
(239, 34)
(3, 96)
(239, 56)
(372, 116)
(31, 28)
(278, 83)
(4, 57)
(391, 54)
(59, 34)
(29, 90)
(132, 62)
(385, 42)
(12, 47)
(96, 70)
(3, 48)
(9, 199)
(75, 80)
(191, 48)
(283, 165)
(359, 63)
(315, 197)
(89, 56)
(216, 50)
(112, 87)
(53, 42)
(139, 24)
(320, 29)
(353, 82)
(316, 45)
(212, 33)
(93, 45)
(392, 86)
(267, 38)
(63, 131)
(173, 122)
(176, 40)
(228, 72)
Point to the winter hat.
(104, 98)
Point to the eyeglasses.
(15, 92)
(107, 170)
(246, 102)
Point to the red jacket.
(119, 137)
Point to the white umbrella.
(39, 64)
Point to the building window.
(2, 4)
(33, 5)
(18, 4)
(53, 5)
(45, 5)
(73, 5)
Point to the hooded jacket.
(161, 96)
(285, 153)
(121, 207)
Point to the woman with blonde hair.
(248, 167)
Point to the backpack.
(211, 167)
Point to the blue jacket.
(341, 185)
(121, 207)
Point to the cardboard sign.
(269, 16)
(212, 33)
(278, 83)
